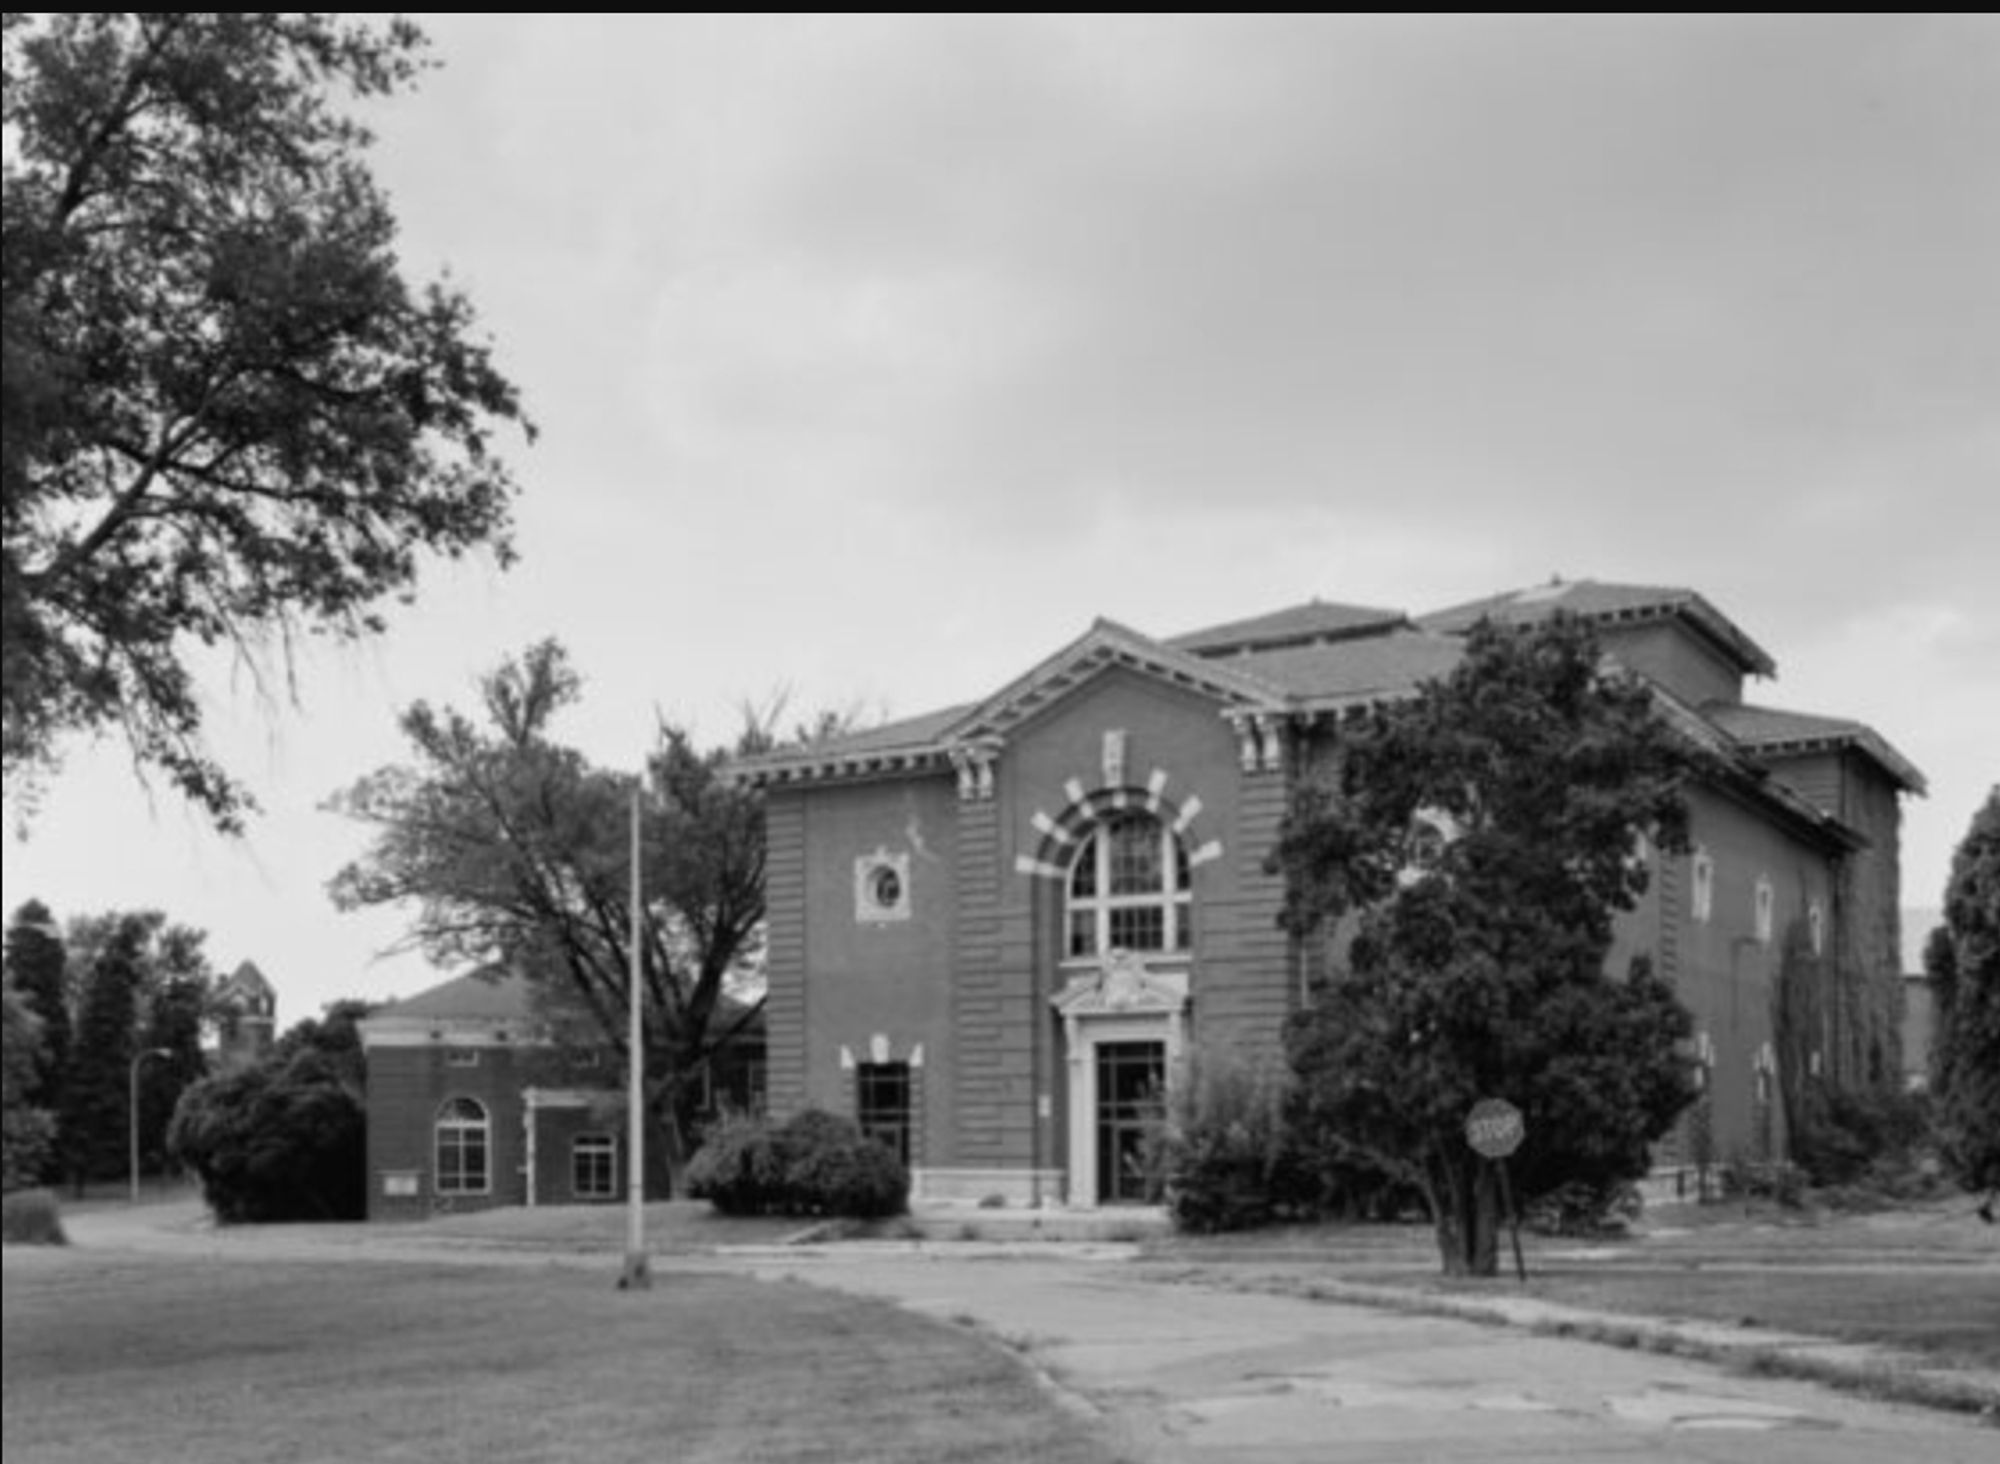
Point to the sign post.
(1494, 1129)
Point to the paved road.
(1181, 1373)
(1186, 1373)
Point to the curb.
(1852, 1367)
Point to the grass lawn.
(1925, 1278)
(124, 1358)
(1953, 1319)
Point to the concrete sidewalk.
(1185, 1373)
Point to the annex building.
(994, 928)
(471, 1105)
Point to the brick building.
(471, 1106)
(994, 928)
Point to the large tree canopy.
(513, 848)
(1964, 963)
(1463, 860)
(227, 415)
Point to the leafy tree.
(35, 960)
(335, 1035)
(92, 1123)
(1963, 959)
(1476, 964)
(176, 1014)
(27, 1130)
(283, 1139)
(515, 849)
(228, 416)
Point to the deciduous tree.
(27, 1129)
(228, 416)
(1471, 847)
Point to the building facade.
(472, 1106)
(995, 929)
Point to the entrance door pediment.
(1123, 985)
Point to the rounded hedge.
(814, 1164)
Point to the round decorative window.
(881, 887)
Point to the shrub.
(737, 1168)
(815, 1164)
(1783, 1184)
(31, 1217)
(1584, 1208)
(283, 1140)
(1844, 1135)
(1225, 1149)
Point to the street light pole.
(636, 1276)
(132, 1087)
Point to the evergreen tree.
(93, 1119)
(35, 960)
(1964, 964)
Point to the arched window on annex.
(464, 1145)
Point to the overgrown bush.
(283, 1140)
(31, 1217)
(1744, 1179)
(816, 1163)
(737, 1168)
(1842, 1135)
(1224, 1148)
(1583, 1208)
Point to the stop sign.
(1494, 1128)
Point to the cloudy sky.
(874, 358)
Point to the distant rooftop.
(1314, 622)
(1770, 730)
(1593, 600)
(492, 993)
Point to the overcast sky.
(874, 358)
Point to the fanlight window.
(1129, 889)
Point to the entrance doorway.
(1131, 1088)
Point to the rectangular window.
(1139, 927)
(882, 1104)
(593, 1167)
(461, 1160)
(1083, 932)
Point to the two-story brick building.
(994, 928)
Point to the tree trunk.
(1467, 1217)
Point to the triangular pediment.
(1106, 646)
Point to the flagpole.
(637, 1275)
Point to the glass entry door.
(1131, 1086)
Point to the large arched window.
(463, 1135)
(1128, 889)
